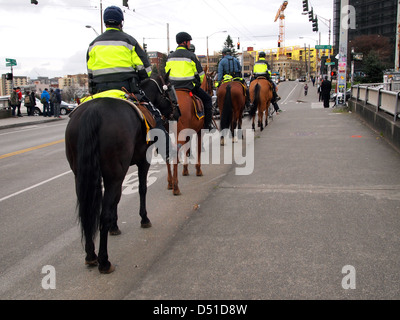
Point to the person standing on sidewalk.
(326, 87)
(57, 103)
(44, 99)
(14, 102)
(19, 94)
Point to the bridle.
(168, 93)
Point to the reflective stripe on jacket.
(185, 69)
(116, 56)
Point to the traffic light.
(305, 5)
(333, 74)
(9, 76)
(311, 15)
(238, 45)
(125, 3)
(34, 2)
(315, 24)
(279, 44)
(145, 47)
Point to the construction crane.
(281, 16)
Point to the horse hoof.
(177, 192)
(115, 232)
(185, 174)
(169, 187)
(108, 271)
(92, 263)
(199, 174)
(146, 225)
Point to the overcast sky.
(50, 39)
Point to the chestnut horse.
(231, 98)
(187, 120)
(260, 96)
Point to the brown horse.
(187, 120)
(260, 96)
(231, 98)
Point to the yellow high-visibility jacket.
(116, 56)
(185, 69)
(261, 68)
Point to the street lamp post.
(208, 67)
(93, 29)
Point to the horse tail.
(226, 116)
(88, 178)
(256, 100)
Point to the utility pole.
(342, 61)
(167, 38)
(101, 15)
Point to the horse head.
(162, 94)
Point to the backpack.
(27, 100)
(14, 98)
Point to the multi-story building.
(373, 17)
(7, 85)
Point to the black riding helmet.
(182, 37)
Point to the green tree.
(229, 44)
(373, 68)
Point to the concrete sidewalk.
(317, 219)
(11, 122)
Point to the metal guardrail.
(375, 94)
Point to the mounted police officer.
(186, 72)
(261, 69)
(115, 60)
(231, 66)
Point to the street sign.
(329, 63)
(323, 46)
(10, 62)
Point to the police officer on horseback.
(115, 60)
(186, 72)
(261, 69)
(231, 66)
(228, 65)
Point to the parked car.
(38, 111)
(66, 108)
(334, 94)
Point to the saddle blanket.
(140, 109)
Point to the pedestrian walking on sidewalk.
(326, 87)
(305, 89)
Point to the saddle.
(197, 103)
(140, 109)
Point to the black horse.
(103, 138)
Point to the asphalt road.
(324, 195)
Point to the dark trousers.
(325, 97)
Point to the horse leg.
(175, 187)
(91, 257)
(260, 122)
(185, 170)
(199, 173)
(143, 169)
(169, 178)
(253, 124)
(112, 195)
